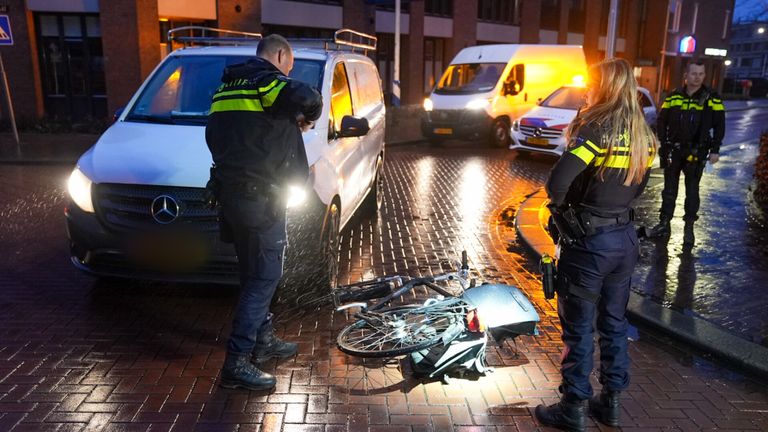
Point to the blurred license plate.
(443, 131)
(168, 251)
(537, 141)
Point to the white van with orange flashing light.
(487, 87)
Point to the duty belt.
(592, 221)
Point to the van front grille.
(541, 132)
(130, 207)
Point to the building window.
(442, 8)
(390, 6)
(550, 14)
(577, 16)
(499, 11)
(328, 2)
(433, 62)
(291, 32)
(71, 65)
(675, 13)
(385, 49)
(621, 18)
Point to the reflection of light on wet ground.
(425, 170)
(472, 200)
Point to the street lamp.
(761, 30)
(727, 62)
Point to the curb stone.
(530, 219)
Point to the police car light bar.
(218, 37)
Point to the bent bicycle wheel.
(402, 330)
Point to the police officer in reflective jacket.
(690, 126)
(591, 189)
(254, 135)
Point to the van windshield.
(470, 78)
(180, 92)
(571, 98)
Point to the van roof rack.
(342, 39)
(210, 36)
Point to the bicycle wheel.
(402, 330)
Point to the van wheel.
(375, 196)
(329, 249)
(500, 133)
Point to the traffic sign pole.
(11, 115)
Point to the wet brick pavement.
(76, 354)
(723, 278)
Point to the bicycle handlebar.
(461, 275)
(362, 305)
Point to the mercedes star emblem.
(537, 132)
(165, 209)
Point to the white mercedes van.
(487, 87)
(137, 207)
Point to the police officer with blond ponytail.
(591, 190)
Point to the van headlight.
(428, 105)
(478, 104)
(516, 125)
(79, 187)
(296, 196)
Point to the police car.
(542, 128)
(137, 196)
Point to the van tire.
(328, 266)
(500, 133)
(375, 197)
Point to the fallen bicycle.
(444, 336)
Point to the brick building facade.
(80, 58)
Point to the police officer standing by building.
(690, 126)
(254, 135)
(591, 188)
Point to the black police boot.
(605, 408)
(568, 416)
(688, 237)
(268, 346)
(661, 229)
(238, 371)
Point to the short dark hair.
(696, 62)
(271, 44)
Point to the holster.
(211, 194)
(566, 221)
(275, 196)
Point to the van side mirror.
(538, 101)
(353, 127)
(511, 88)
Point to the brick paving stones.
(78, 354)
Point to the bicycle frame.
(461, 275)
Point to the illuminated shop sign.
(687, 45)
(715, 52)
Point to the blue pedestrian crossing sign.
(6, 37)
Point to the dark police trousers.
(692, 172)
(260, 237)
(594, 279)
